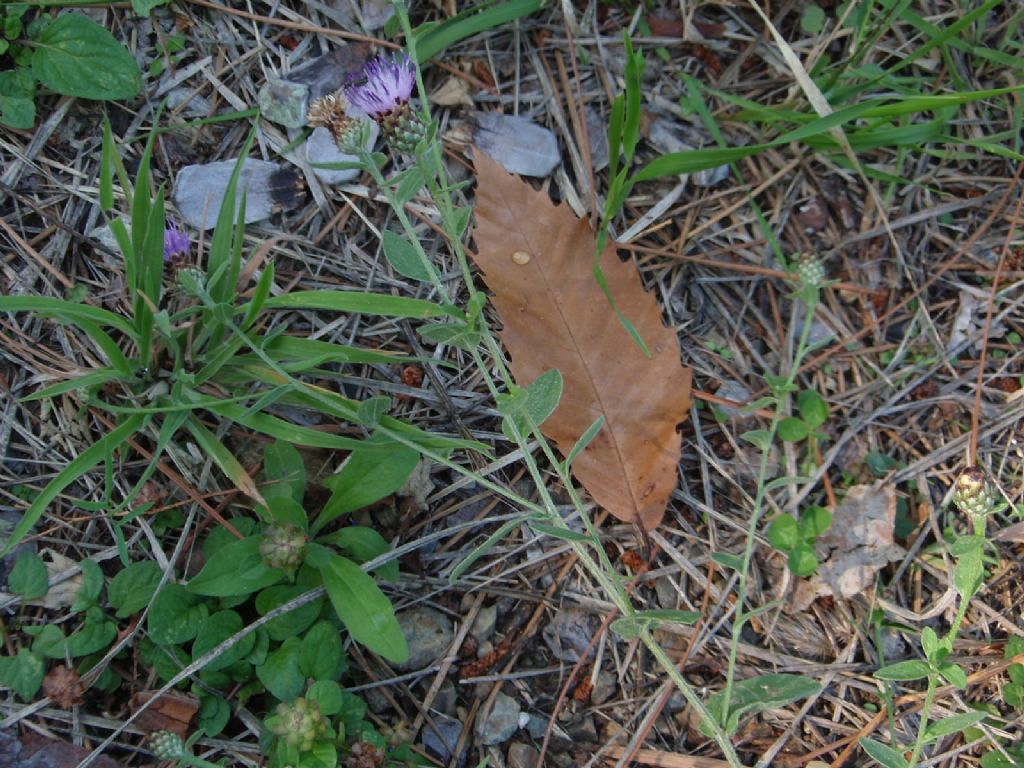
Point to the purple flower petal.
(384, 85)
(176, 242)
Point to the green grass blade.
(221, 243)
(634, 89)
(66, 311)
(82, 463)
(259, 296)
(224, 459)
(91, 379)
(357, 302)
(278, 428)
(431, 40)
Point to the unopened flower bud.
(974, 494)
(283, 546)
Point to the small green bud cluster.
(166, 745)
(403, 130)
(299, 724)
(809, 270)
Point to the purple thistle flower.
(383, 86)
(176, 243)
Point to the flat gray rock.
(501, 723)
(199, 190)
(284, 102)
(429, 634)
(320, 148)
(519, 145)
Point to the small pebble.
(429, 635)
(501, 723)
(485, 623)
(441, 740)
(522, 756)
(569, 633)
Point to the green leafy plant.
(198, 345)
(977, 500)
(23, 673)
(804, 428)
(295, 660)
(70, 54)
(797, 537)
(1013, 691)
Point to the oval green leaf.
(75, 56)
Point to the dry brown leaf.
(172, 711)
(859, 543)
(454, 93)
(536, 257)
(63, 686)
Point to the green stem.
(811, 302)
(929, 699)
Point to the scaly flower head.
(974, 494)
(331, 112)
(176, 244)
(384, 85)
(283, 546)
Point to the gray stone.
(569, 633)
(711, 177)
(522, 756)
(446, 699)
(105, 237)
(519, 145)
(199, 190)
(668, 595)
(735, 391)
(429, 635)
(328, 73)
(320, 148)
(190, 102)
(582, 728)
(597, 136)
(376, 701)
(604, 688)
(376, 13)
(442, 739)
(485, 623)
(284, 102)
(676, 703)
(501, 723)
(664, 134)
